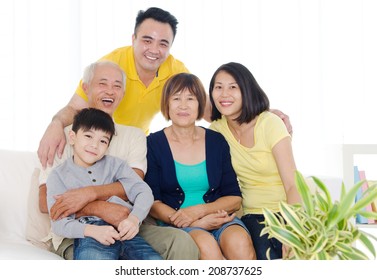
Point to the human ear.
(85, 87)
(71, 137)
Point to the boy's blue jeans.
(134, 249)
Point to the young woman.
(260, 148)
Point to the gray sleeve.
(137, 191)
(66, 227)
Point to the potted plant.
(320, 228)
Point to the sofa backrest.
(16, 169)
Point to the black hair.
(254, 99)
(91, 118)
(158, 15)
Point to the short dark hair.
(178, 83)
(254, 99)
(91, 118)
(159, 15)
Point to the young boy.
(90, 137)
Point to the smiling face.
(151, 43)
(183, 108)
(226, 95)
(89, 146)
(106, 89)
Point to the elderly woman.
(192, 178)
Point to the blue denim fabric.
(90, 249)
(262, 243)
(217, 232)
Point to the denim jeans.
(134, 249)
(262, 243)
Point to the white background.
(316, 60)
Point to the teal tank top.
(193, 180)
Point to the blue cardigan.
(162, 178)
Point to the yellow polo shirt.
(139, 104)
(256, 169)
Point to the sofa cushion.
(16, 168)
(38, 224)
(24, 251)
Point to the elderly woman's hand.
(185, 217)
(214, 221)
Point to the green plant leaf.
(345, 204)
(321, 202)
(304, 192)
(354, 254)
(287, 237)
(367, 243)
(367, 214)
(332, 216)
(319, 228)
(367, 198)
(270, 218)
(344, 248)
(324, 189)
(320, 243)
(343, 191)
(323, 255)
(292, 219)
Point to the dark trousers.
(262, 243)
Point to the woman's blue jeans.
(262, 243)
(134, 249)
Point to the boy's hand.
(106, 235)
(129, 227)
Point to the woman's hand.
(214, 221)
(185, 217)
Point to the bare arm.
(111, 213)
(71, 202)
(283, 155)
(43, 199)
(53, 140)
(74, 200)
(161, 211)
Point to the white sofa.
(19, 236)
(22, 226)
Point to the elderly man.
(103, 83)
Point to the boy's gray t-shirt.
(108, 170)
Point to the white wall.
(315, 60)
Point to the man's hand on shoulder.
(285, 119)
(52, 142)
